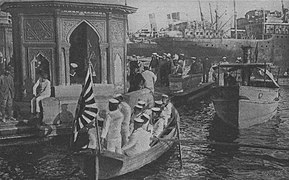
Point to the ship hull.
(245, 106)
(274, 49)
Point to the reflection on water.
(200, 161)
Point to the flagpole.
(90, 66)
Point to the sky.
(161, 8)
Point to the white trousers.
(35, 103)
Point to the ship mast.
(211, 14)
(216, 12)
(235, 20)
(202, 16)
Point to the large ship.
(267, 32)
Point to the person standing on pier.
(126, 111)
(150, 79)
(6, 94)
(206, 69)
(154, 64)
(41, 90)
(112, 127)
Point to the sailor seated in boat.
(146, 119)
(156, 125)
(159, 104)
(141, 103)
(112, 127)
(167, 108)
(139, 141)
(137, 111)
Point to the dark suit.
(6, 94)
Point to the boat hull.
(245, 106)
(113, 164)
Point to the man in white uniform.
(139, 140)
(112, 127)
(126, 111)
(150, 79)
(41, 90)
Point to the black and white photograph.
(144, 89)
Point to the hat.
(156, 109)
(182, 54)
(118, 97)
(74, 65)
(165, 96)
(168, 55)
(158, 102)
(193, 58)
(141, 103)
(145, 117)
(138, 120)
(138, 106)
(224, 57)
(113, 101)
(239, 58)
(155, 54)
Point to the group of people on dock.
(162, 66)
(41, 90)
(129, 131)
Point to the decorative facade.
(50, 35)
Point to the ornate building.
(50, 35)
(54, 34)
(6, 45)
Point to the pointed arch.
(84, 47)
(77, 24)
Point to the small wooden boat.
(246, 99)
(112, 164)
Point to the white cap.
(113, 101)
(159, 102)
(165, 96)
(146, 116)
(169, 54)
(74, 65)
(239, 58)
(142, 103)
(155, 53)
(138, 106)
(156, 109)
(138, 120)
(193, 58)
(224, 57)
(117, 95)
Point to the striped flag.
(86, 110)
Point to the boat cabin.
(246, 74)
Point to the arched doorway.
(84, 48)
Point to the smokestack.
(247, 54)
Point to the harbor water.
(200, 161)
